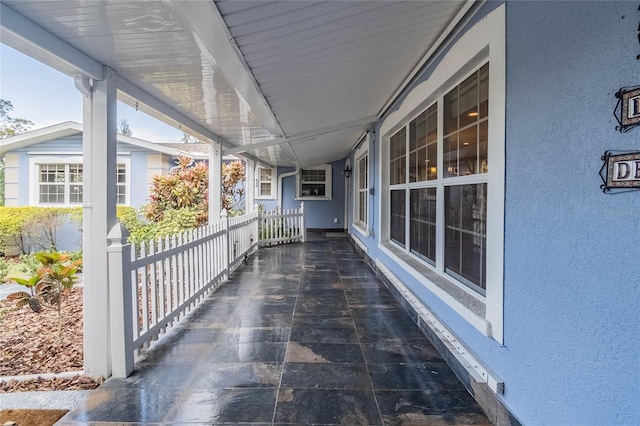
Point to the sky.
(46, 96)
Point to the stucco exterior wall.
(319, 214)
(572, 299)
(570, 353)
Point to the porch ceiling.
(290, 82)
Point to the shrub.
(26, 226)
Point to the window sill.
(362, 231)
(313, 198)
(472, 307)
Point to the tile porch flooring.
(302, 334)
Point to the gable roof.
(70, 128)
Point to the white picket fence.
(154, 284)
(282, 226)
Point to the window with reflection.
(417, 176)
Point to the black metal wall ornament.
(627, 111)
(620, 171)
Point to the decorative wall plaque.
(620, 171)
(627, 110)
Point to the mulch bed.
(29, 344)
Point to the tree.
(187, 186)
(233, 177)
(9, 126)
(123, 127)
(187, 138)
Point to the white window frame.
(327, 183)
(34, 178)
(484, 42)
(362, 152)
(259, 182)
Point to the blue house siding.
(570, 352)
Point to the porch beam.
(26, 36)
(99, 216)
(302, 137)
(218, 45)
(138, 98)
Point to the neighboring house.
(44, 166)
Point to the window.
(414, 178)
(266, 183)
(62, 183)
(315, 182)
(361, 188)
(442, 178)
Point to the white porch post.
(250, 185)
(215, 184)
(99, 202)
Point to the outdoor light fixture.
(347, 172)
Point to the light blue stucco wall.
(319, 214)
(571, 353)
(572, 282)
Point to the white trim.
(485, 41)
(359, 243)
(259, 182)
(327, 183)
(34, 181)
(357, 157)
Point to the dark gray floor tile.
(225, 406)
(324, 406)
(155, 376)
(325, 376)
(435, 377)
(336, 309)
(323, 321)
(177, 353)
(324, 352)
(256, 334)
(257, 320)
(323, 335)
(237, 375)
(417, 407)
(247, 352)
(393, 351)
(124, 406)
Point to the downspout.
(280, 178)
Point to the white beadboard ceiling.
(290, 82)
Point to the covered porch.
(302, 333)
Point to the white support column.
(121, 301)
(215, 182)
(250, 186)
(99, 195)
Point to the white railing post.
(224, 217)
(120, 299)
(256, 226)
(302, 224)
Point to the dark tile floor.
(302, 334)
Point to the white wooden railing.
(153, 284)
(282, 226)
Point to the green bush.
(21, 226)
(174, 221)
